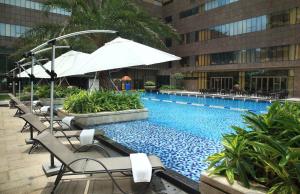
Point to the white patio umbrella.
(122, 53)
(68, 64)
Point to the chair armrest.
(94, 172)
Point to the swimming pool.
(183, 131)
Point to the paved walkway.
(22, 173)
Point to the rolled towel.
(35, 102)
(141, 167)
(66, 122)
(45, 109)
(87, 136)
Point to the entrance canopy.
(122, 53)
(68, 64)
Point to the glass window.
(253, 25)
(264, 23)
(263, 55)
(285, 53)
(18, 31)
(243, 56)
(244, 26)
(258, 24)
(32, 5)
(236, 26)
(298, 15)
(7, 30)
(188, 38)
(13, 2)
(23, 3)
(249, 27)
(240, 27)
(28, 4)
(231, 29)
(18, 3)
(279, 53)
(257, 55)
(13, 31)
(2, 29)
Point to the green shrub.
(167, 87)
(149, 83)
(63, 92)
(98, 101)
(27, 88)
(268, 152)
(43, 91)
(27, 97)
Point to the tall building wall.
(258, 39)
(17, 16)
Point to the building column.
(291, 88)
(242, 80)
(202, 81)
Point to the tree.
(124, 16)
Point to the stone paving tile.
(22, 173)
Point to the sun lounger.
(74, 164)
(35, 124)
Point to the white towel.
(45, 109)
(141, 167)
(87, 136)
(35, 102)
(66, 122)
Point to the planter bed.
(219, 185)
(90, 119)
(57, 101)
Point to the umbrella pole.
(14, 83)
(31, 80)
(19, 83)
(52, 165)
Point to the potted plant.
(266, 153)
(149, 86)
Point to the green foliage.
(4, 97)
(268, 152)
(124, 16)
(99, 101)
(62, 92)
(26, 97)
(149, 83)
(43, 91)
(167, 87)
(177, 76)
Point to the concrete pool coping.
(219, 96)
(184, 183)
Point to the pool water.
(183, 131)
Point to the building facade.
(17, 16)
(255, 44)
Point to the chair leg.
(34, 146)
(58, 177)
(26, 126)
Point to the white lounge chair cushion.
(45, 109)
(66, 122)
(87, 136)
(141, 167)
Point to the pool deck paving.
(21, 172)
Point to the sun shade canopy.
(68, 64)
(122, 53)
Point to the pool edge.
(184, 183)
